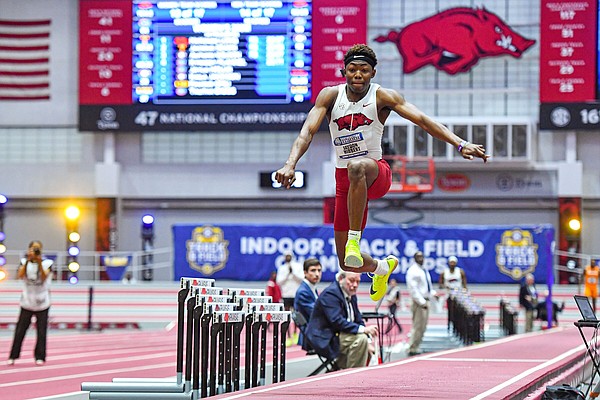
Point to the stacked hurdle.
(210, 323)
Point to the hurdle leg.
(263, 352)
(255, 353)
(284, 328)
(188, 346)
(196, 352)
(214, 336)
(181, 296)
(228, 355)
(237, 330)
(275, 352)
(248, 353)
(205, 322)
(221, 357)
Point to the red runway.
(93, 357)
(494, 370)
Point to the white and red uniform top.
(452, 280)
(355, 128)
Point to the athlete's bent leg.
(361, 175)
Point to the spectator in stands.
(307, 293)
(336, 327)
(453, 277)
(289, 277)
(36, 273)
(528, 299)
(542, 310)
(590, 279)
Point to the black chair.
(327, 364)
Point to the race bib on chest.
(350, 146)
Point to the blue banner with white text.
(488, 254)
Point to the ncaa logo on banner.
(207, 250)
(516, 255)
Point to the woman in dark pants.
(35, 301)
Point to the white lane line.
(528, 372)
(62, 396)
(106, 372)
(86, 374)
(490, 360)
(13, 370)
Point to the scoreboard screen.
(207, 65)
(569, 65)
(209, 52)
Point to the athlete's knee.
(356, 170)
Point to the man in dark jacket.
(528, 299)
(307, 294)
(336, 327)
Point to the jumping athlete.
(357, 111)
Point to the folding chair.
(327, 364)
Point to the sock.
(382, 267)
(354, 235)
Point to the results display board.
(207, 65)
(569, 65)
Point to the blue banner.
(488, 254)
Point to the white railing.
(92, 267)
(573, 263)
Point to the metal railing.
(572, 264)
(94, 264)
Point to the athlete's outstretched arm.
(393, 100)
(316, 115)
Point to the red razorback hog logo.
(352, 121)
(454, 40)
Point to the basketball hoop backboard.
(411, 175)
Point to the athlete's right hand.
(285, 175)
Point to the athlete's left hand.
(472, 150)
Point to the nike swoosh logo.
(371, 290)
(366, 105)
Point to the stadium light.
(147, 246)
(72, 214)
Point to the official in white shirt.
(421, 290)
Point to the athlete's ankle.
(354, 235)
(382, 267)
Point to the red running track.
(92, 357)
(493, 370)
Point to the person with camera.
(289, 278)
(36, 274)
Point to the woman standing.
(35, 300)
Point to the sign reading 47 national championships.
(138, 118)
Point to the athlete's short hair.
(361, 52)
